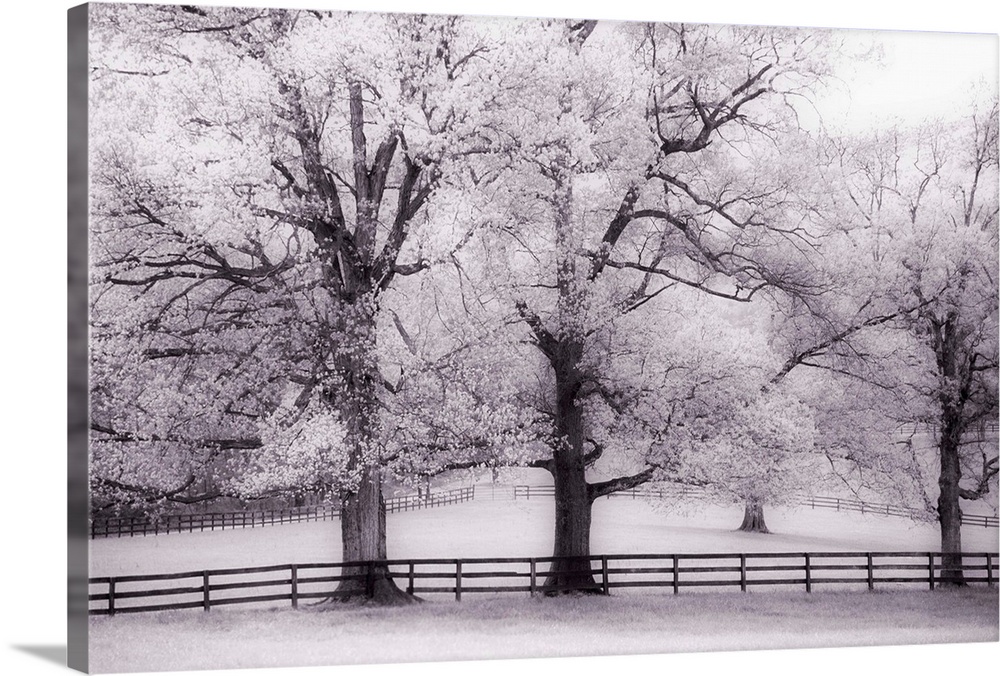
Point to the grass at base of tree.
(505, 627)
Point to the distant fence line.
(932, 428)
(293, 583)
(176, 523)
(841, 504)
(660, 492)
(814, 501)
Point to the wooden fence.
(176, 523)
(847, 505)
(294, 583)
(647, 491)
(840, 504)
(930, 428)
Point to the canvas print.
(418, 337)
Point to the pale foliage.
(621, 191)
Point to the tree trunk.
(362, 526)
(949, 509)
(572, 535)
(564, 350)
(947, 339)
(753, 518)
(362, 517)
(572, 496)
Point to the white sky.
(920, 75)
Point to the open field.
(484, 628)
(524, 528)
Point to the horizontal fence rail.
(660, 492)
(290, 584)
(850, 505)
(839, 504)
(985, 430)
(177, 523)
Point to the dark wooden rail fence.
(839, 504)
(176, 523)
(659, 492)
(406, 503)
(293, 583)
(930, 428)
(850, 505)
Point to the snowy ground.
(485, 628)
(495, 627)
(484, 528)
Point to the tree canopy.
(334, 248)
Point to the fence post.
(676, 571)
(295, 586)
(871, 573)
(409, 585)
(532, 576)
(604, 573)
(930, 569)
(207, 602)
(458, 580)
(743, 572)
(809, 585)
(989, 570)
(111, 596)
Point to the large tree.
(645, 177)
(951, 263)
(928, 200)
(262, 178)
